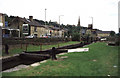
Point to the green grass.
(78, 64)
(36, 48)
(45, 47)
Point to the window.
(25, 29)
(35, 35)
(35, 29)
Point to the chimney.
(31, 18)
(90, 26)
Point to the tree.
(76, 37)
(112, 33)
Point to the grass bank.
(17, 49)
(98, 61)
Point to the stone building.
(6, 30)
(56, 31)
(32, 27)
(103, 34)
(29, 27)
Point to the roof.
(54, 28)
(27, 21)
(34, 22)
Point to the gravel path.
(16, 68)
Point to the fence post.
(58, 45)
(54, 53)
(21, 45)
(40, 46)
(26, 47)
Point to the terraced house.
(56, 31)
(103, 34)
(23, 27)
(29, 27)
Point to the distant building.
(57, 32)
(83, 30)
(101, 34)
(90, 26)
(89, 30)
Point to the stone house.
(91, 33)
(31, 27)
(28, 27)
(56, 31)
(103, 34)
(6, 30)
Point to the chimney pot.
(31, 18)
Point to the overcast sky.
(104, 12)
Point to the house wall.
(56, 33)
(103, 35)
(61, 33)
(53, 33)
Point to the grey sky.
(104, 12)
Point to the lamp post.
(91, 38)
(59, 24)
(92, 20)
(59, 19)
(45, 16)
